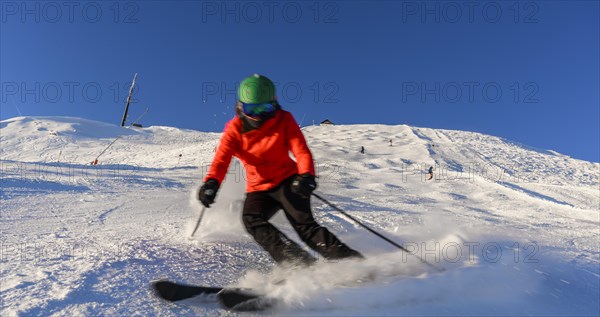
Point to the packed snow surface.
(515, 229)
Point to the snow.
(516, 229)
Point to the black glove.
(304, 185)
(208, 192)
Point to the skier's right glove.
(304, 185)
(208, 192)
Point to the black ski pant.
(259, 207)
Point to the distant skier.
(390, 142)
(430, 173)
(362, 150)
(261, 135)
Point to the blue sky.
(527, 71)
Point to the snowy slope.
(516, 228)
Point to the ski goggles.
(257, 109)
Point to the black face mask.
(249, 124)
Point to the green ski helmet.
(256, 89)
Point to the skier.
(362, 150)
(390, 142)
(261, 135)
(430, 173)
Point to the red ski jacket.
(265, 152)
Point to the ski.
(173, 292)
(237, 299)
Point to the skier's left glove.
(304, 185)
(208, 192)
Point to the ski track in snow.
(78, 239)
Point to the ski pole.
(375, 232)
(199, 221)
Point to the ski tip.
(163, 289)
